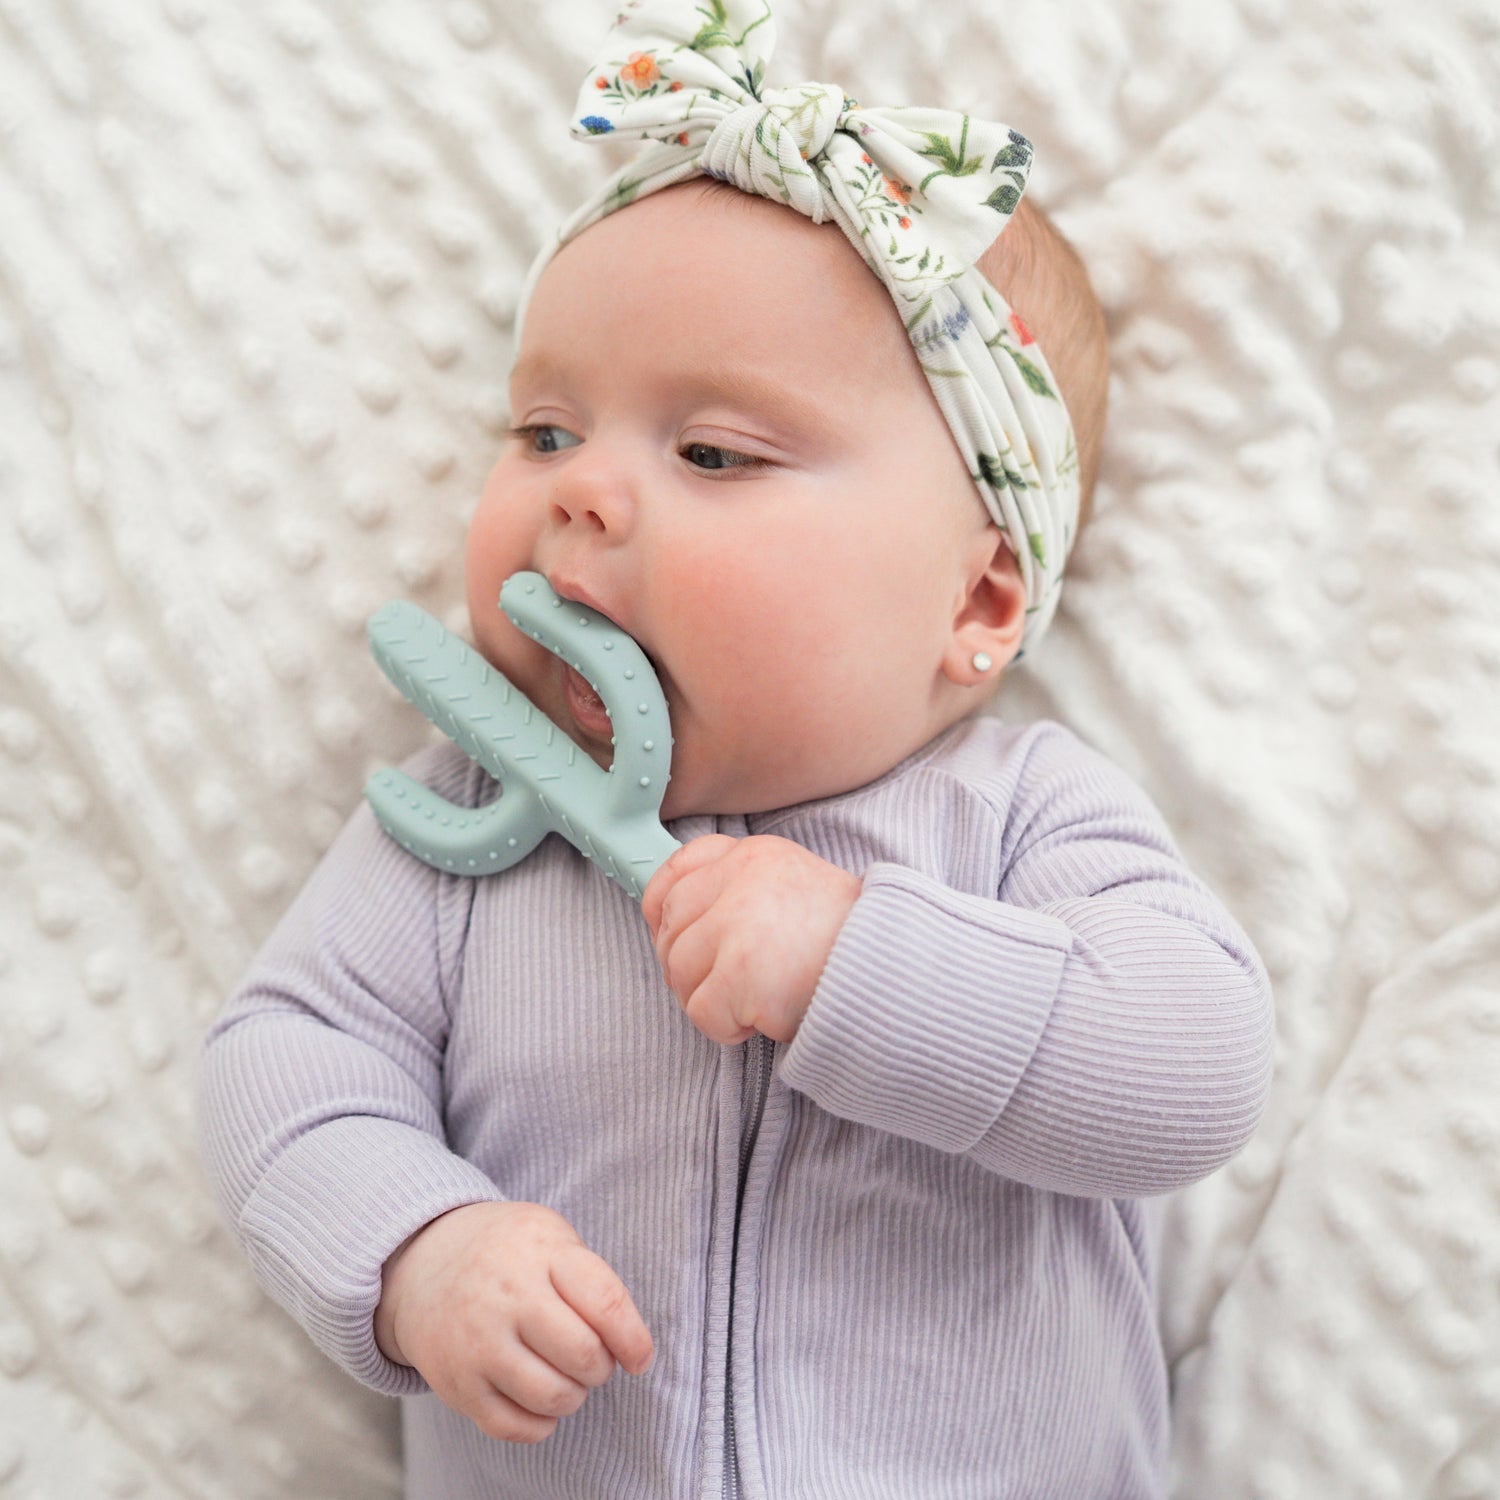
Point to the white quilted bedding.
(257, 266)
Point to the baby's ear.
(987, 629)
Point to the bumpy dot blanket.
(258, 266)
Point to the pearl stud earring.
(982, 662)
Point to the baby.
(845, 1152)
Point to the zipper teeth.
(760, 1079)
(730, 1488)
(757, 1108)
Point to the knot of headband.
(920, 194)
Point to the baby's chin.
(698, 789)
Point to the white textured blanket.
(257, 267)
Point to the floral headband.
(920, 193)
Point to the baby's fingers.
(496, 1415)
(694, 855)
(535, 1384)
(556, 1334)
(588, 1285)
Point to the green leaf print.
(875, 205)
(1068, 463)
(625, 192)
(715, 30)
(1016, 154)
(1033, 375)
(1004, 199)
(996, 473)
(1038, 546)
(954, 162)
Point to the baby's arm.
(1103, 1028)
(320, 1115)
(1100, 1027)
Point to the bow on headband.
(920, 193)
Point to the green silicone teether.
(548, 785)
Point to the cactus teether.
(548, 785)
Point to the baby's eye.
(546, 437)
(707, 456)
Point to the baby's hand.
(743, 928)
(508, 1316)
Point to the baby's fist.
(508, 1316)
(743, 928)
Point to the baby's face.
(729, 449)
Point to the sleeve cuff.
(328, 1214)
(928, 1010)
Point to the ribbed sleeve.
(894, 1038)
(1100, 1026)
(328, 1213)
(320, 1108)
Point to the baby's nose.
(594, 492)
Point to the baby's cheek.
(498, 544)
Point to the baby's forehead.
(793, 387)
(712, 282)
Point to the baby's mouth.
(586, 706)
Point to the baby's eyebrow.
(729, 382)
(537, 368)
(744, 388)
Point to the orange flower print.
(641, 71)
(1022, 331)
(865, 159)
(676, 84)
(682, 138)
(905, 222)
(896, 190)
(601, 83)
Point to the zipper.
(758, 1059)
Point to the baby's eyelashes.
(544, 437)
(710, 456)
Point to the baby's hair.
(1041, 275)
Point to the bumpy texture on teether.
(548, 785)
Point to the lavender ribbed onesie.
(909, 1254)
